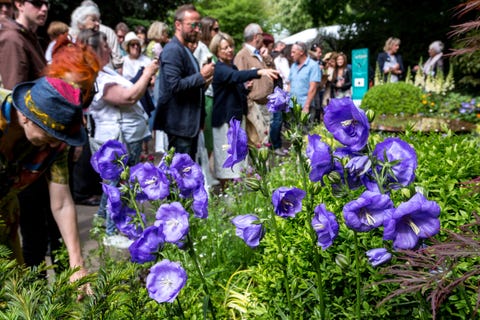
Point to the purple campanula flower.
(342, 152)
(248, 229)
(165, 281)
(125, 221)
(144, 248)
(237, 141)
(152, 180)
(279, 100)
(200, 203)
(287, 201)
(163, 166)
(378, 256)
(187, 173)
(114, 198)
(402, 173)
(320, 157)
(358, 165)
(106, 161)
(173, 218)
(367, 212)
(325, 225)
(347, 123)
(412, 220)
(353, 181)
(468, 107)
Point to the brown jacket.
(246, 60)
(21, 56)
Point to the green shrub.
(393, 98)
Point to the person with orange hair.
(75, 63)
(38, 121)
(85, 183)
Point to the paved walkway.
(85, 217)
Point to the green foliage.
(234, 16)
(393, 98)
(244, 282)
(467, 69)
(293, 16)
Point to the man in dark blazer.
(180, 109)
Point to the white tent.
(309, 35)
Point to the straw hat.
(129, 37)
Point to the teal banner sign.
(359, 73)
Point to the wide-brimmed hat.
(55, 106)
(131, 36)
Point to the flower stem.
(180, 307)
(357, 270)
(194, 256)
(316, 260)
(283, 263)
(313, 236)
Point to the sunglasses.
(216, 29)
(134, 44)
(39, 3)
(195, 24)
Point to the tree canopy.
(415, 23)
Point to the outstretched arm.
(64, 212)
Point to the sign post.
(359, 74)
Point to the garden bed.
(418, 123)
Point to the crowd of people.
(94, 83)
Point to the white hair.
(79, 15)
(88, 3)
(250, 31)
(437, 46)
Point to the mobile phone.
(209, 59)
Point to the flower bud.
(342, 261)
(288, 134)
(304, 118)
(370, 115)
(280, 257)
(252, 183)
(263, 154)
(406, 193)
(334, 177)
(125, 174)
(344, 161)
(316, 188)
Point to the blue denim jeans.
(134, 151)
(183, 144)
(275, 130)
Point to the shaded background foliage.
(416, 23)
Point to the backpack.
(6, 106)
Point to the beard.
(189, 37)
